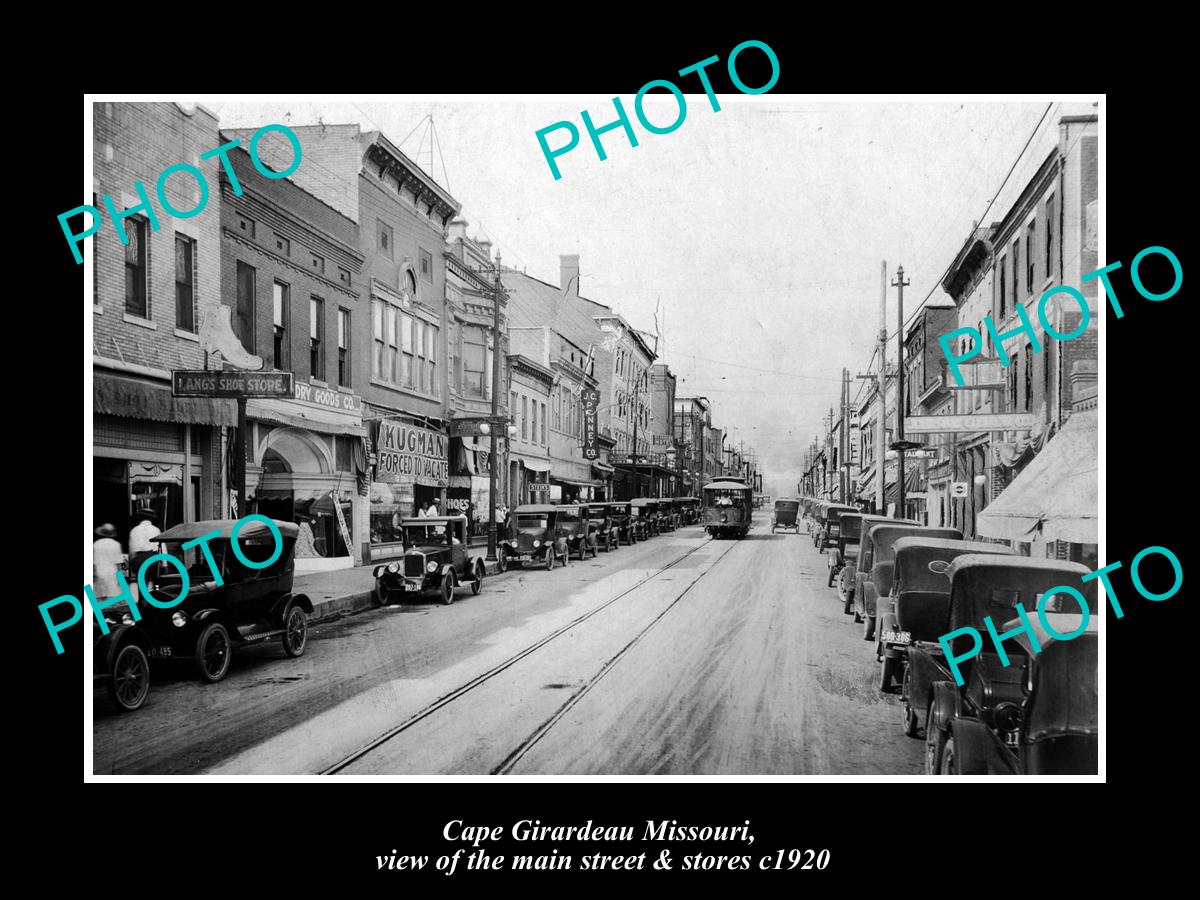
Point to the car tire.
(502, 561)
(447, 587)
(295, 631)
(549, 559)
(214, 652)
(949, 761)
(935, 743)
(912, 722)
(848, 605)
(477, 584)
(887, 674)
(868, 628)
(378, 597)
(130, 682)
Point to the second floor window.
(344, 347)
(1030, 256)
(136, 303)
(544, 424)
(524, 418)
(1049, 235)
(316, 338)
(185, 284)
(243, 314)
(281, 302)
(1003, 288)
(405, 350)
(533, 420)
(474, 361)
(1016, 272)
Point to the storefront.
(470, 482)
(411, 468)
(152, 451)
(532, 478)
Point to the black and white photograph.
(707, 431)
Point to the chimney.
(569, 273)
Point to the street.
(679, 655)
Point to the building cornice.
(388, 159)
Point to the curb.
(329, 608)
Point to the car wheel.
(477, 584)
(378, 596)
(130, 682)
(549, 559)
(887, 674)
(213, 652)
(868, 627)
(912, 723)
(848, 605)
(935, 743)
(949, 763)
(502, 561)
(448, 588)
(295, 631)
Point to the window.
(1016, 272)
(426, 266)
(246, 226)
(283, 245)
(1028, 377)
(1030, 256)
(411, 280)
(135, 268)
(512, 405)
(1003, 287)
(419, 373)
(282, 304)
(1012, 381)
(344, 276)
(384, 241)
(524, 417)
(318, 264)
(544, 441)
(378, 344)
(405, 376)
(533, 420)
(344, 347)
(243, 316)
(1049, 235)
(474, 360)
(431, 334)
(316, 338)
(185, 284)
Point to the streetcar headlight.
(179, 618)
(431, 567)
(536, 544)
(393, 567)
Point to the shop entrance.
(299, 484)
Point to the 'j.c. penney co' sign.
(411, 455)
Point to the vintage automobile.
(786, 516)
(688, 510)
(848, 579)
(727, 507)
(983, 586)
(600, 516)
(666, 514)
(1054, 728)
(629, 526)
(437, 557)
(120, 659)
(576, 529)
(875, 548)
(846, 551)
(918, 605)
(534, 537)
(833, 524)
(248, 606)
(646, 510)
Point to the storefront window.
(389, 504)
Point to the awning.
(1055, 497)
(602, 467)
(573, 483)
(134, 398)
(314, 418)
(533, 465)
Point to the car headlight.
(393, 567)
(431, 567)
(179, 618)
(126, 619)
(536, 544)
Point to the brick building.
(152, 297)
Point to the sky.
(756, 232)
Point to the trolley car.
(728, 507)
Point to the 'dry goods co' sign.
(411, 455)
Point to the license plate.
(896, 637)
(160, 651)
(408, 586)
(525, 557)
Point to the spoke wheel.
(448, 588)
(477, 584)
(130, 682)
(502, 560)
(549, 559)
(214, 652)
(295, 631)
(935, 743)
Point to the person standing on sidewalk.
(141, 539)
(106, 562)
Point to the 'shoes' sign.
(411, 455)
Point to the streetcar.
(728, 507)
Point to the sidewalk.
(346, 591)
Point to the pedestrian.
(433, 508)
(423, 512)
(106, 562)
(141, 539)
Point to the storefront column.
(189, 511)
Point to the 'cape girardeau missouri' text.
(534, 830)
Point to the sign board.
(662, 440)
(408, 454)
(590, 400)
(474, 427)
(969, 422)
(958, 489)
(235, 383)
(330, 398)
(341, 520)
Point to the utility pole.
(880, 425)
(844, 439)
(900, 284)
(493, 463)
(828, 447)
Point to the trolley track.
(481, 679)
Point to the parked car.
(1054, 728)
(877, 548)
(846, 551)
(647, 510)
(985, 586)
(832, 526)
(918, 607)
(786, 516)
(437, 557)
(599, 515)
(248, 606)
(629, 527)
(848, 580)
(534, 538)
(120, 659)
(576, 529)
